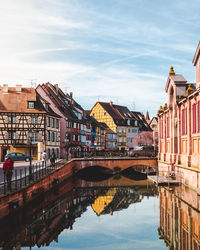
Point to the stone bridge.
(117, 163)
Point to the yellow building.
(117, 118)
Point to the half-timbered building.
(27, 123)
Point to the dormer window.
(31, 105)
(47, 106)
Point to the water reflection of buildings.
(180, 218)
(116, 199)
(42, 227)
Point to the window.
(48, 122)
(184, 121)
(162, 128)
(34, 120)
(57, 153)
(57, 123)
(48, 136)
(194, 111)
(74, 125)
(11, 119)
(35, 137)
(198, 113)
(57, 137)
(53, 122)
(11, 135)
(53, 137)
(168, 127)
(30, 105)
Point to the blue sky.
(119, 50)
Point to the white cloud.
(114, 49)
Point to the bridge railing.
(25, 175)
(98, 153)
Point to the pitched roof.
(177, 79)
(120, 114)
(153, 118)
(58, 97)
(13, 101)
(143, 125)
(196, 55)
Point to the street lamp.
(30, 135)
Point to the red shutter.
(162, 128)
(167, 127)
(183, 122)
(194, 118)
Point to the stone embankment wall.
(30, 192)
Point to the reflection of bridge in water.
(134, 168)
(117, 163)
(42, 220)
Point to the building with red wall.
(179, 127)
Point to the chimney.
(56, 87)
(5, 88)
(111, 103)
(18, 88)
(71, 94)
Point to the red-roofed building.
(27, 118)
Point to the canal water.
(116, 212)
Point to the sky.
(108, 50)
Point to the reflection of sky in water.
(132, 228)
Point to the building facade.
(119, 119)
(27, 123)
(72, 122)
(179, 127)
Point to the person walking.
(44, 159)
(8, 167)
(53, 159)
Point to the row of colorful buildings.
(46, 118)
(179, 127)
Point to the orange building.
(179, 127)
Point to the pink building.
(179, 127)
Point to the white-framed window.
(35, 137)
(53, 136)
(48, 136)
(53, 123)
(34, 120)
(57, 123)
(11, 135)
(48, 122)
(31, 105)
(11, 119)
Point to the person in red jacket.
(8, 171)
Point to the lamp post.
(30, 134)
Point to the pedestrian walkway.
(24, 175)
